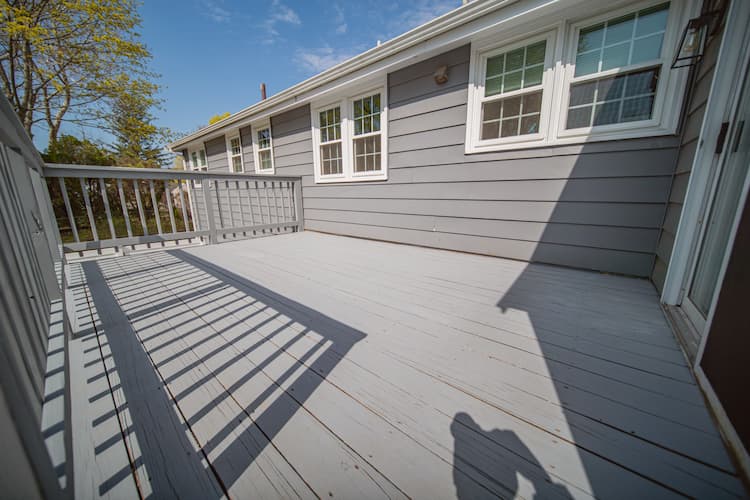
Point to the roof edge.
(450, 20)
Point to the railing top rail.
(94, 171)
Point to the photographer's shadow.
(487, 463)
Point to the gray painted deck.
(310, 365)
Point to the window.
(263, 147)
(350, 139)
(234, 153)
(510, 102)
(331, 153)
(602, 78)
(198, 162)
(617, 69)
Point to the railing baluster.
(107, 211)
(239, 203)
(185, 221)
(218, 204)
(275, 203)
(299, 213)
(168, 195)
(140, 207)
(206, 188)
(69, 210)
(124, 206)
(282, 192)
(290, 198)
(89, 212)
(229, 203)
(155, 205)
(250, 201)
(268, 202)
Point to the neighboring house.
(547, 131)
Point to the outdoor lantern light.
(693, 41)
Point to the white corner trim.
(732, 62)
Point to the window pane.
(512, 107)
(623, 41)
(202, 158)
(367, 114)
(652, 20)
(331, 158)
(533, 76)
(579, 117)
(492, 110)
(647, 49)
(532, 103)
(330, 124)
(530, 124)
(237, 164)
(493, 86)
(509, 127)
(495, 65)
(490, 130)
(367, 154)
(522, 67)
(264, 138)
(512, 81)
(265, 160)
(623, 98)
(619, 30)
(615, 56)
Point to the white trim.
(195, 166)
(725, 425)
(347, 137)
(235, 134)
(559, 74)
(732, 55)
(254, 129)
(478, 69)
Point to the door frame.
(721, 104)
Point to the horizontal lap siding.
(695, 110)
(216, 153)
(596, 206)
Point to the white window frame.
(347, 138)
(558, 77)
(480, 55)
(230, 156)
(663, 118)
(193, 166)
(254, 129)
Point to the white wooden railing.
(178, 205)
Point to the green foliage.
(71, 150)
(218, 118)
(72, 60)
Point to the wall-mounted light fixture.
(693, 41)
(441, 75)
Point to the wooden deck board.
(314, 365)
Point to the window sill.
(355, 179)
(570, 139)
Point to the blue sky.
(213, 54)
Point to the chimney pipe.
(262, 91)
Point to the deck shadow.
(235, 444)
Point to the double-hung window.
(617, 70)
(588, 78)
(234, 153)
(198, 162)
(509, 102)
(263, 147)
(350, 138)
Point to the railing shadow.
(187, 351)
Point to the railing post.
(205, 189)
(299, 213)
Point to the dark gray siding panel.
(216, 153)
(693, 121)
(596, 206)
(246, 137)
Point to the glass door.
(719, 221)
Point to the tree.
(218, 118)
(72, 150)
(64, 60)
(138, 142)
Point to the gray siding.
(246, 138)
(216, 154)
(597, 206)
(693, 119)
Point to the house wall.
(692, 121)
(596, 206)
